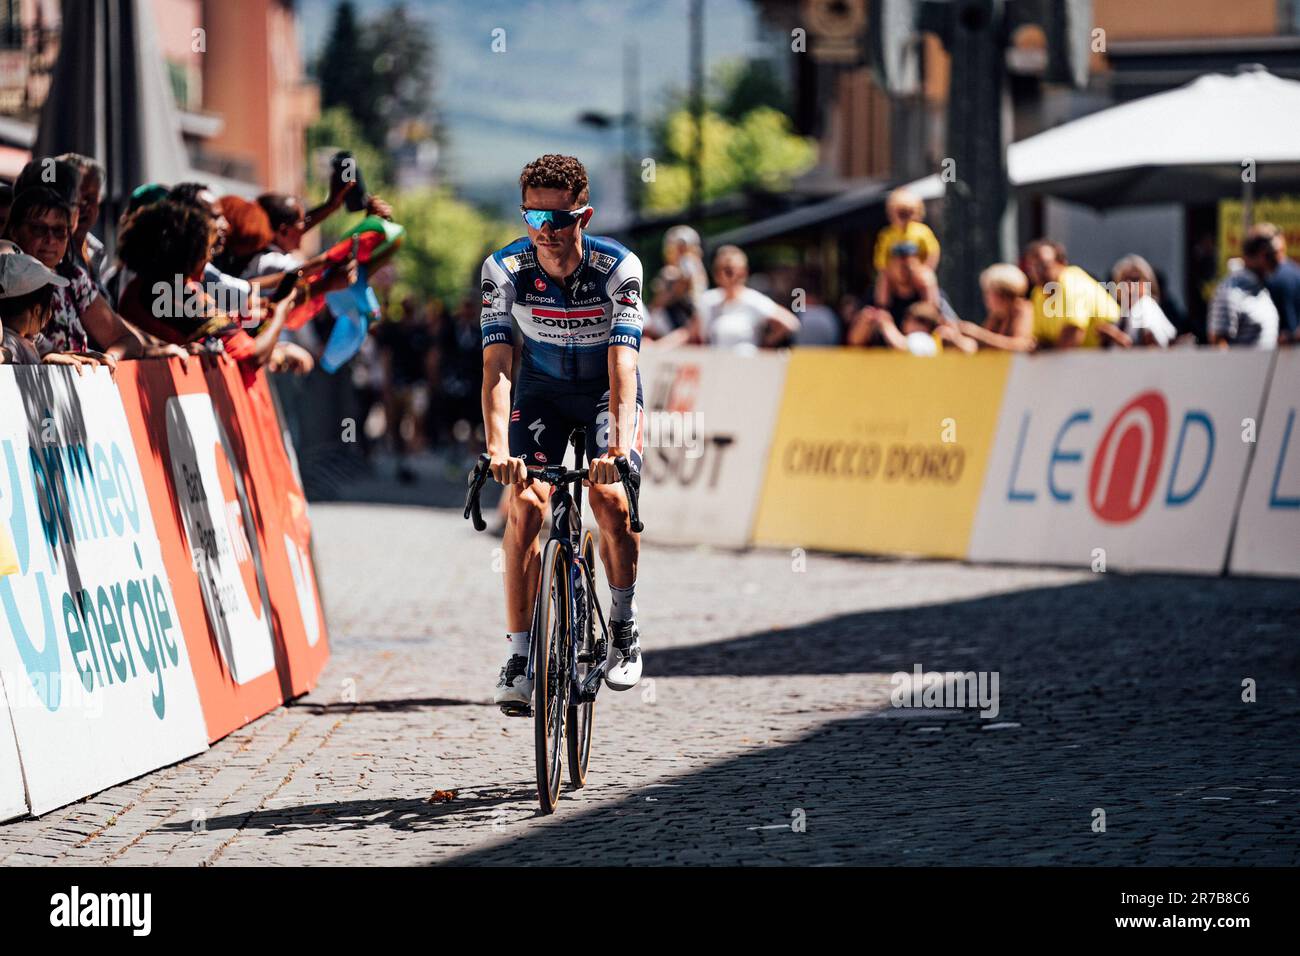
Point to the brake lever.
(631, 485)
(477, 478)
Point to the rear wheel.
(581, 715)
(551, 679)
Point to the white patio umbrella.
(1196, 143)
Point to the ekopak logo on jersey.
(79, 589)
(1116, 464)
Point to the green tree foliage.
(760, 151)
(381, 70)
(749, 142)
(446, 242)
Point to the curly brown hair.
(164, 240)
(554, 171)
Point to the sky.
(561, 58)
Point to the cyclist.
(577, 301)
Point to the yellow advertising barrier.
(880, 452)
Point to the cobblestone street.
(763, 733)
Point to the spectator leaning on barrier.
(819, 324)
(26, 303)
(906, 213)
(167, 246)
(87, 251)
(116, 276)
(1284, 288)
(1071, 309)
(909, 280)
(736, 316)
(1009, 316)
(677, 287)
(1141, 317)
(1242, 313)
(290, 222)
(42, 222)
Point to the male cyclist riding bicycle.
(577, 300)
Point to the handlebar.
(555, 475)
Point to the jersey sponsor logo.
(538, 456)
(629, 293)
(496, 337)
(539, 284)
(569, 318)
(490, 293)
(519, 261)
(624, 339)
(602, 262)
(537, 428)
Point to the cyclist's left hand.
(603, 470)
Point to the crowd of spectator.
(192, 272)
(1043, 302)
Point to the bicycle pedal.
(516, 710)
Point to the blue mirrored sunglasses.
(558, 218)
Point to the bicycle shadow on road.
(1123, 696)
(473, 806)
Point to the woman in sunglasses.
(42, 223)
(576, 299)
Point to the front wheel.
(581, 714)
(550, 672)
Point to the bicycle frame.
(566, 528)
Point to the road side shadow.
(477, 807)
(387, 706)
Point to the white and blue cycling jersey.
(568, 327)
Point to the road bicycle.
(567, 677)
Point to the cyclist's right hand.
(507, 470)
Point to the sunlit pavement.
(764, 731)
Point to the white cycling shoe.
(514, 689)
(623, 661)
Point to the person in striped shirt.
(1242, 313)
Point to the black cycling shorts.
(546, 411)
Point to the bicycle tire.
(550, 675)
(578, 723)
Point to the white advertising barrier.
(710, 415)
(1267, 540)
(92, 657)
(13, 801)
(218, 522)
(1124, 461)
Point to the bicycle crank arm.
(591, 683)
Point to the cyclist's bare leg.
(619, 551)
(620, 548)
(523, 553)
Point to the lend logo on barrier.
(91, 654)
(880, 452)
(1267, 540)
(1138, 455)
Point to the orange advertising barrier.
(236, 541)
